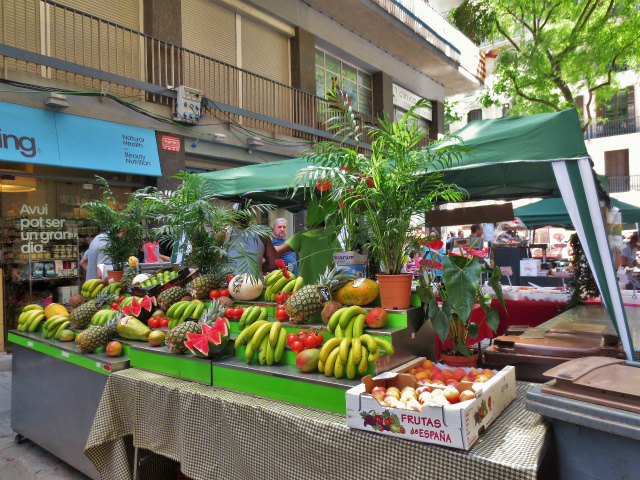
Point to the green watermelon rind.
(217, 337)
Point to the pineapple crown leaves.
(104, 298)
(335, 278)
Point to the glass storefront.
(44, 233)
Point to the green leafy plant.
(122, 224)
(461, 292)
(196, 221)
(385, 192)
(583, 285)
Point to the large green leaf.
(461, 284)
(493, 319)
(473, 329)
(440, 318)
(463, 349)
(425, 294)
(494, 282)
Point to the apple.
(458, 373)
(376, 318)
(408, 396)
(435, 369)
(451, 383)
(487, 372)
(425, 397)
(421, 377)
(451, 394)
(481, 379)
(467, 395)
(420, 369)
(465, 379)
(448, 376)
(437, 376)
(437, 382)
(436, 392)
(114, 349)
(427, 364)
(390, 400)
(399, 404)
(472, 378)
(414, 405)
(474, 372)
(413, 371)
(379, 393)
(422, 389)
(447, 371)
(393, 392)
(407, 389)
(441, 401)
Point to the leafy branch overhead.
(549, 51)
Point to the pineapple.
(129, 274)
(215, 310)
(81, 316)
(97, 336)
(170, 296)
(178, 335)
(310, 299)
(200, 287)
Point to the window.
(399, 112)
(332, 72)
(474, 115)
(617, 106)
(616, 168)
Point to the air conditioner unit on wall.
(188, 105)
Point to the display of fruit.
(304, 340)
(310, 299)
(176, 337)
(103, 316)
(159, 278)
(156, 338)
(81, 316)
(211, 314)
(329, 309)
(376, 318)
(359, 292)
(267, 339)
(30, 318)
(66, 335)
(129, 274)
(114, 348)
(212, 341)
(53, 327)
(281, 313)
(251, 315)
(242, 287)
(281, 281)
(429, 373)
(76, 300)
(91, 288)
(182, 310)
(132, 329)
(201, 286)
(307, 360)
(170, 296)
(141, 308)
(97, 336)
(55, 309)
(416, 399)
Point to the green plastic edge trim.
(188, 367)
(293, 391)
(81, 361)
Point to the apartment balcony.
(629, 183)
(611, 128)
(52, 41)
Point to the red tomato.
(164, 321)
(280, 306)
(237, 313)
(297, 346)
(153, 322)
(310, 341)
(115, 306)
(291, 338)
(214, 294)
(319, 338)
(287, 296)
(280, 297)
(229, 312)
(302, 335)
(281, 315)
(224, 292)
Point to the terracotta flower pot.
(395, 290)
(114, 276)
(459, 360)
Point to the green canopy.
(540, 155)
(552, 211)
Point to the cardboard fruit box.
(183, 273)
(457, 425)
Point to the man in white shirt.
(628, 256)
(94, 256)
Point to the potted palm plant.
(459, 292)
(389, 191)
(195, 220)
(122, 226)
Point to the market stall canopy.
(552, 211)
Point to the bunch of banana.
(54, 325)
(351, 355)
(30, 317)
(251, 315)
(347, 322)
(103, 316)
(114, 287)
(264, 338)
(276, 282)
(180, 311)
(91, 288)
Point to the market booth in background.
(48, 163)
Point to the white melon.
(242, 287)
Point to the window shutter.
(209, 29)
(265, 51)
(631, 101)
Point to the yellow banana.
(267, 293)
(62, 326)
(338, 333)
(363, 366)
(240, 339)
(374, 355)
(298, 285)
(348, 332)
(344, 349)
(338, 369)
(358, 325)
(274, 333)
(271, 351)
(355, 346)
(30, 318)
(33, 306)
(335, 319)
(251, 330)
(248, 352)
(385, 345)
(34, 323)
(279, 285)
(348, 314)
(262, 352)
(282, 341)
(256, 340)
(23, 316)
(369, 342)
(350, 366)
(332, 359)
(328, 347)
(320, 366)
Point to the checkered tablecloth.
(222, 434)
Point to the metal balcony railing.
(64, 44)
(627, 183)
(610, 128)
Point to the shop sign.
(404, 99)
(44, 137)
(169, 143)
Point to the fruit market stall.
(55, 393)
(211, 430)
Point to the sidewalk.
(25, 461)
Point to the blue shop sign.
(45, 137)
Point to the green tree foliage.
(583, 285)
(556, 48)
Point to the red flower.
(323, 187)
(342, 205)
(437, 266)
(430, 264)
(474, 252)
(435, 244)
(370, 183)
(280, 264)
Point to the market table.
(218, 433)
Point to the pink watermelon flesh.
(221, 326)
(135, 308)
(211, 341)
(146, 303)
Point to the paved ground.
(26, 461)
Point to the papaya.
(55, 309)
(358, 292)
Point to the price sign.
(506, 271)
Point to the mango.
(307, 360)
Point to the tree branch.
(532, 99)
(505, 35)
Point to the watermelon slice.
(211, 341)
(146, 303)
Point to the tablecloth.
(218, 433)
